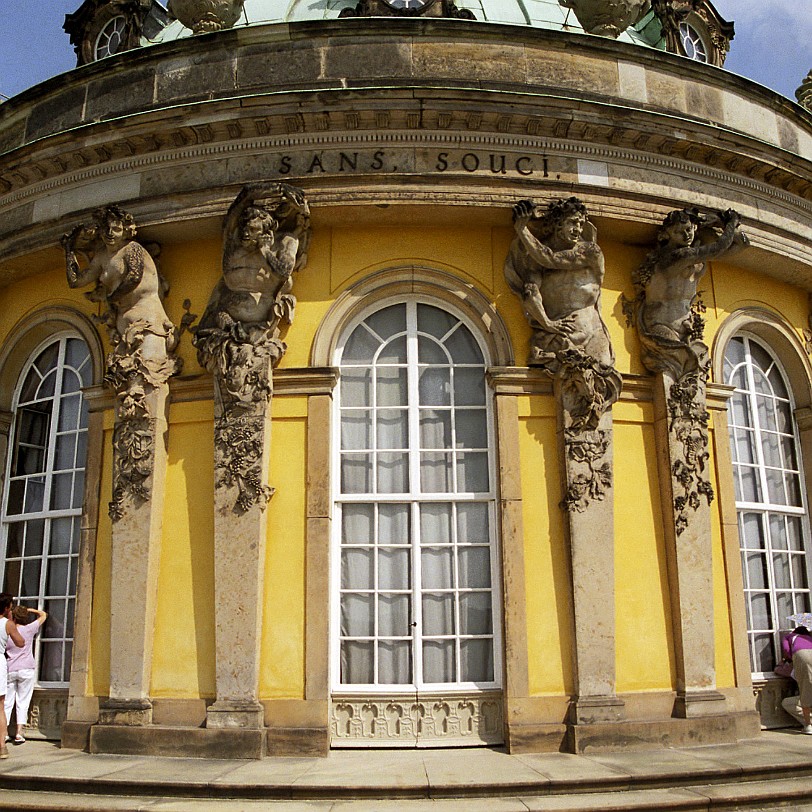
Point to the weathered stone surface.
(106, 100)
(299, 63)
(59, 111)
(374, 58)
(205, 75)
(186, 742)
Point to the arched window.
(415, 587)
(42, 499)
(770, 497)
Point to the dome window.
(692, 43)
(111, 38)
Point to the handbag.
(784, 669)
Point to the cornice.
(626, 135)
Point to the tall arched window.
(770, 497)
(44, 487)
(416, 591)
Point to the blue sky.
(773, 44)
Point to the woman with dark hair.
(8, 629)
(22, 674)
(797, 648)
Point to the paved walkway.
(771, 772)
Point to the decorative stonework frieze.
(556, 268)
(402, 8)
(668, 312)
(238, 340)
(406, 721)
(125, 276)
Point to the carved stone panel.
(430, 720)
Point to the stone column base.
(690, 704)
(587, 710)
(235, 713)
(131, 712)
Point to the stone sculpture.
(668, 313)
(607, 18)
(105, 253)
(203, 16)
(556, 267)
(804, 92)
(238, 339)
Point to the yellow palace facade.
(383, 458)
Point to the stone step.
(767, 796)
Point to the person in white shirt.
(22, 667)
(8, 629)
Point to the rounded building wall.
(409, 175)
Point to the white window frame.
(415, 498)
(690, 32)
(114, 26)
(46, 515)
(765, 507)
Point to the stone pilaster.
(586, 474)
(242, 460)
(681, 450)
(139, 468)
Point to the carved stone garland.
(125, 277)
(266, 232)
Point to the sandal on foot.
(19, 739)
(3, 752)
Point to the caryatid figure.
(556, 267)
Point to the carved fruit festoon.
(203, 16)
(608, 18)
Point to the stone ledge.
(627, 735)
(76, 735)
(185, 742)
(299, 742)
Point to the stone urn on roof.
(607, 18)
(203, 16)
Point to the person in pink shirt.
(22, 667)
(797, 648)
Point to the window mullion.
(413, 423)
